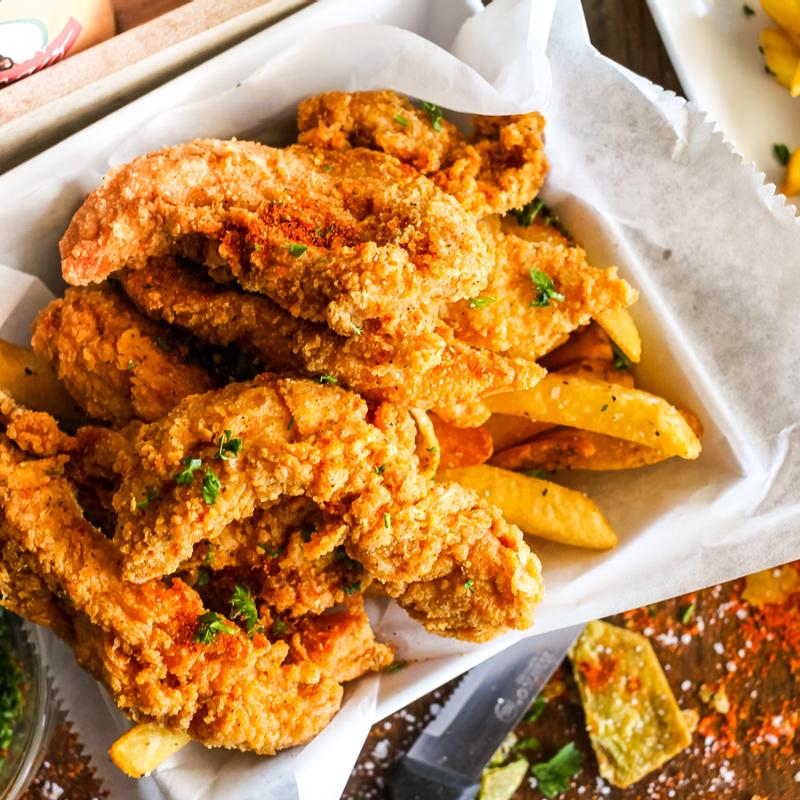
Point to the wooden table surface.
(748, 754)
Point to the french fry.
(602, 407)
(590, 342)
(595, 370)
(791, 179)
(567, 448)
(782, 56)
(508, 430)
(461, 447)
(632, 716)
(468, 415)
(31, 381)
(619, 325)
(539, 508)
(145, 747)
(428, 450)
(787, 14)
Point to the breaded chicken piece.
(341, 643)
(108, 356)
(33, 432)
(149, 643)
(352, 238)
(499, 167)
(427, 371)
(415, 537)
(538, 292)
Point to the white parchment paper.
(640, 178)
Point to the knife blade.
(446, 761)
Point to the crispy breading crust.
(354, 238)
(426, 371)
(107, 355)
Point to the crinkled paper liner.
(642, 179)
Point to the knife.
(446, 761)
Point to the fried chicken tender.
(522, 318)
(427, 371)
(142, 640)
(417, 538)
(108, 356)
(352, 238)
(499, 167)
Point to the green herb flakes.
(536, 709)
(186, 475)
(396, 666)
(401, 120)
(621, 361)
(482, 302)
(435, 113)
(243, 608)
(528, 213)
(554, 775)
(326, 378)
(545, 289)
(688, 614)
(470, 586)
(781, 153)
(211, 487)
(228, 448)
(150, 496)
(352, 588)
(296, 250)
(387, 520)
(209, 626)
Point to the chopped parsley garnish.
(243, 607)
(357, 329)
(433, 449)
(12, 699)
(210, 625)
(380, 470)
(326, 378)
(208, 558)
(186, 475)
(604, 407)
(290, 425)
(481, 302)
(131, 366)
(328, 167)
(149, 496)
(352, 588)
(396, 666)
(621, 361)
(296, 250)
(747, 11)
(211, 487)
(279, 627)
(689, 613)
(387, 519)
(162, 342)
(272, 552)
(434, 112)
(528, 213)
(470, 586)
(228, 448)
(554, 775)
(401, 120)
(536, 709)
(781, 153)
(545, 289)
(350, 563)
(535, 473)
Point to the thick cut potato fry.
(538, 508)
(603, 408)
(145, 747)
(461, 447)
(594, 370)
(791, 180)
(787, 14)
(32, 382)
(508, 430)
(590, 342)
(632, 716)
(781, 55)
(619, 325)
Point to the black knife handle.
(412, 780)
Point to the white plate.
(713, 45)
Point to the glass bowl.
(32, 732)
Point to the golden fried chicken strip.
(108, 356)
(426, 371)
(353, 238)
(341, 643)
(142, 640)
(501, 166)
(538, 292)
